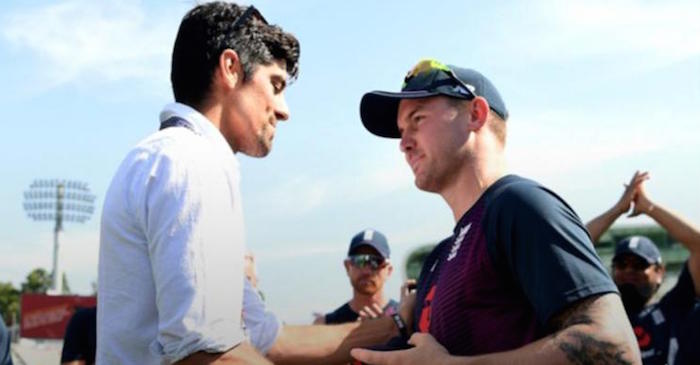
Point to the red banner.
(46, 316)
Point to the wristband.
(401, 325)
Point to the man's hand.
(598, 225)
(642, 204)
(370, 312)
(408, 303)
(426, 351)
(629, 195)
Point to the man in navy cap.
(519, 281)
(368, 268)
(667, 331)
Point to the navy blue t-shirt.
(79, 341)
(668, 332)
(345, 314)
(519, 256)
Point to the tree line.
(38, 281)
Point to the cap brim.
(379, 110)
(627, 251)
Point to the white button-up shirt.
(171, 248)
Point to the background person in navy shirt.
(368, 268)
(667, 331)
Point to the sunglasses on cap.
(251, 10)
(432, 75)
(361, 261)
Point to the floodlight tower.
(58, 200)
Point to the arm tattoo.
(580, 347)
(583, 349)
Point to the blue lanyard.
(176, 121)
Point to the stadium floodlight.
(59, 201)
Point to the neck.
(471, 182)
(213, 112)
(360, 300)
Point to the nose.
(407, 142)
(281, 108)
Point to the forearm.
(679, 229)
(575, 345)
(597, 331)
(598, 225)
(241, 354)
(329, 344)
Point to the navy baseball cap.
(379, 109)
(640, 246)
(372, 238)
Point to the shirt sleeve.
(681, 298)
(72, 343)
(262, 326)
(196, 253)
(536, 236)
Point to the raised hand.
(631, 189)
(642, 204)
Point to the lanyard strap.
(176, 121)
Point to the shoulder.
(518, 193)
(514, 201)
(342, 314)
(681, 298)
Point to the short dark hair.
(206, 31)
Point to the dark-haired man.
(171, 245)
(667, 331)
(368, 268)
(519, 282)
(172, 238)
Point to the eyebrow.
(420, 106)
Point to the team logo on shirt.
(643, 337)
(458, 242)
(424, 321)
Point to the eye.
(277, 85)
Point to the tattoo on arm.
(585, 347)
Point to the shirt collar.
(201, 124)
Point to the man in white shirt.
(171, 286)
(172, 239)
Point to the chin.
(422, 184)
(260, 151)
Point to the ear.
(662, 271)
(389, 269)
(347, 266)
(230, 69)
(478, 113)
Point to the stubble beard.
(370, 289)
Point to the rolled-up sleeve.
(194, 229)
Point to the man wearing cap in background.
(520, 281)
(368, 268)
(667, 331)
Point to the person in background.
(368, 268)
(5, 340)
(80, 338)
(667, 331)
